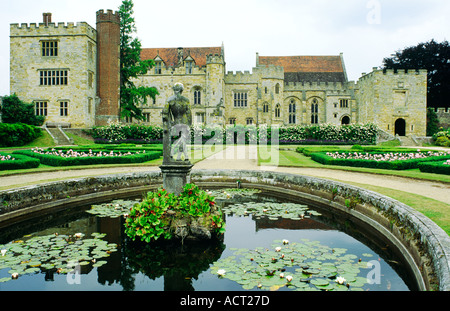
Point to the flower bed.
(435, 167)
(389, 160)
(71, 157)
(16, 162)
(298, 134)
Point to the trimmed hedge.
(307, 134)
(17, 134)
(323, 158)
(435, 167)
(54, 160)
(20, 162)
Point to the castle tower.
(108, 67)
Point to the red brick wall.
(108, 67)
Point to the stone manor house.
(71, 73)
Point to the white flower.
(289, 278)
(15, 276)
(285, 242)
(78, 235)
(340, 280)
(281, 275)
(3, 252)
(221, 272)
(277, 249)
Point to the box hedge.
(17, 134)
(19, 162)
(55, 160)
(435, 167)
(323, 158)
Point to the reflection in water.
(172, 267)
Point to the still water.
(161, 267)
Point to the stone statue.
(177, 121)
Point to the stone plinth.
(176, 176)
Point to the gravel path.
(245, 158)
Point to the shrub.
(17, 162)
(163, 215)
(127, 133)
(16, 111)
(435, 167)
(55, 157)
(442, 138)
(18, 134)
(392, 161)
(312, 134)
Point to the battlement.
(52, 29)
(442, 111)
(214, 59)
(109, 16)
(326, 86)
(392, 72)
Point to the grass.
(437, 211)
(286, 156)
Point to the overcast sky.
(366, 31)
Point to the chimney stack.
(47, 18)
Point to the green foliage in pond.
(114, 209)
(165, 215)
(59, 253)
(272, 210)
(302, 266)
(230, 193)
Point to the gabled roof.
(170, 55)
(308, 68)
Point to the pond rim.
(425, 246)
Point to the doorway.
(345, 120)
(400, 127)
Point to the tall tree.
(432, 56)
(132, 66)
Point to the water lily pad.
(311, 265)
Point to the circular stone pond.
(281, 234)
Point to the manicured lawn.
(437, 211)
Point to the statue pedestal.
(176, 176)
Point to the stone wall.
(386, 96)
(444, 117)
(76, 54)
(425, 246)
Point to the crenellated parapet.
(108, 16)
(52, 29)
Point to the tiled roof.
(308, 68)
(304, 63)
(170, 55)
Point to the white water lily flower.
(289, 278)
(285, 241)
(221, 272)
(281, 275)
(4, 252)
(277, 249)
(340, 280)
(78, 235)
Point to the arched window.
(277, 88)
(266, 107)
(277, 111)
(315, 111)
(197, 97)
(292, 110)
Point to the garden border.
(427, 244)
